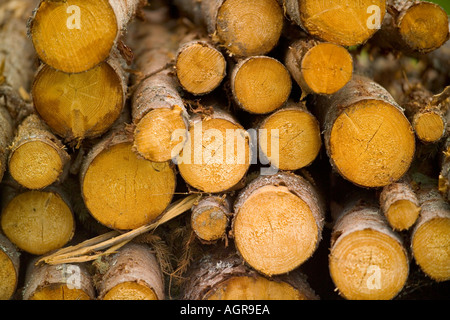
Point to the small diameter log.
(367, 258)
(297, 133)
(260, 84)
(37, 158)
(368, 138)
(278, 223)
(399, 204)
(58, 282)
(83, 105)
(319, 67)
(200, 66)
(9, 268)
(223, 276)
(209, 217)
(413, 27)
(425, 114)
(158, 110)
(430, 239)
(121, 190)
(76, 35)
(343, 22)
(37, 221)
(216, 156)
(243, 27)
(133, 273)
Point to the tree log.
(9, 268)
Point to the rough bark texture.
(133, 263)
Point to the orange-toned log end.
(159, 135)
(424, 26)
(344, 22)
(130, 291)
(209, 218)
(260, 84)
(38, 221)
(368, 265)
(247, 28)
(326, 68)
(276, 238)
(429, 126)
(82, 105)
(293, 138)
(9, 268)
(372, 143)
(430, 245)
(254, 288)
(123, 191)
(74, 35)
(59, 291)
(200, 67)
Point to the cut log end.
(402, 214)
(254, 288)
(278, 238)
(58, 292)
(8, 277)
(131, 291)
(247, 28)
(372, 143)
(79, 106)
(38, 222)
(200, 67)
(209, 218)
(261, 84)
(354, 19)
(299, 138)
(326, 68)
(158, 128)
(430, 245)
(429, 126)
(76, 35)
(123, 191)
(368, 265)
(421, 33)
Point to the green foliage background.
(443, 3)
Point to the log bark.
(278, 221)
(368, 260)
(58, 282)
(368, 138)
(121, 190)
(243, 28)
(413, 27)
(298, 140)
(83, 105)
(217, 154)
(210, 218)
(9, 268)
(37, 158)
(319, 67)
(133, 273)
(429, 238)
(260, 84)
(345, 23)
(222, 275)
(75, 36)
(37, 222)
(200, 66)
(158, 110)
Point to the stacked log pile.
(224, 149)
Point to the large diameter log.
(83, 105)
(344, 22)
(9, 268)
(278, 222)
(58, 282)
(121, 190)
(132, 273)
(222, 275)
(367, 260)
(76, 35)
(368, 138)
(37, 158)
(243, 27)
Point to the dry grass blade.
(92, 249)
